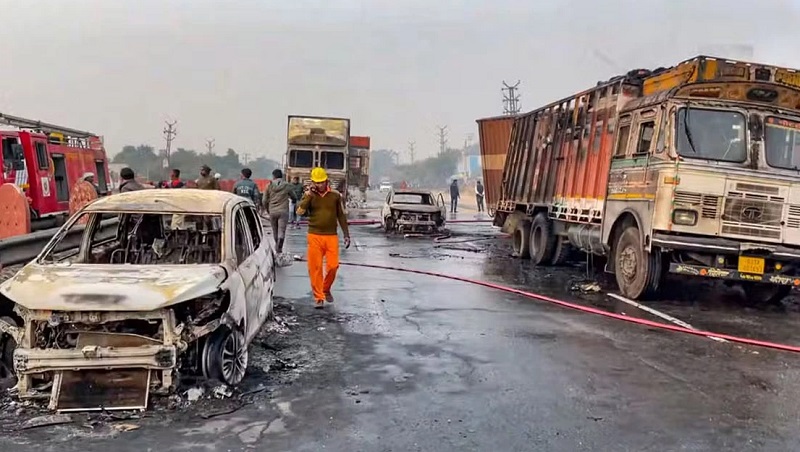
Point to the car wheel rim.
(234, 358)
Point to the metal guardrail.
(22, 249)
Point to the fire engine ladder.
(39, 126)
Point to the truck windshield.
(331, 160)
(782, 143)
(301, 159)
(715, 135)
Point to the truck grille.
(708, 204)
(793, 221)
(752, 215)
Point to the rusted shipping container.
(559, 155)
(494, 134)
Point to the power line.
(511, 105)
(210, 145)
(170, 132)
(442, 139)
(411, 150)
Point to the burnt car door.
(386, 212)
(442, 209)
(247, 267)
(264, 256)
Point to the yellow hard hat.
(318, 175)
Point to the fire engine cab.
(45, 161)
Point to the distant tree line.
(148, 163)
(432, 172)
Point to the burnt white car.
(162, 284)
(413, 211)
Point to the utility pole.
(467, 142)
(210, 145)
(246, 157)
(411, 150)
(511, 99)
(170, 131)
(442, 139)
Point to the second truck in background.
(313, 141)
(691, 170)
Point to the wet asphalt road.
(404, 362)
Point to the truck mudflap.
(733, 275)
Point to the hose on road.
(366, 222)
(586, 309)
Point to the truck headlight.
(684, 217)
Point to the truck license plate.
(753, 265)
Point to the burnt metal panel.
(494, 135)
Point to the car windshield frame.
(422, 197)
(772, 125)
(52, 255)
(704, 135)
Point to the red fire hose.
(366, 222)
(587, 309)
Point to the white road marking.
(660, 314)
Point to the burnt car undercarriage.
(113, 360)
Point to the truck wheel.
(542, 242)
(638, 272)
(522, 235)
(561, 252)
(759, 293)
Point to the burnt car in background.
(413, 210)
(177, 282)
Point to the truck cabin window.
(782, 143)
(331, 160)
(711, 135)
(301, 159)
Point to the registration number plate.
(754, 265)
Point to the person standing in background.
(276, 203)
(479, 195)
(206, 181)
(128, 181)
(454, 195)
(325, 208)
(246, 188)
(295, 196)
(175, 179)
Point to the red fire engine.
(45, 161)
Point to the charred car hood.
(420, 208)
(110, 287)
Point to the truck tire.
(561, 252)
(520, 239)
(543, 241)
(759, 293)
(638, 272)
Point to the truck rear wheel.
(759, 293)
(638, 272)
(542, 242)
(522, 235)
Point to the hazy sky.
(234, 70)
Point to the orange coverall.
(324, 210)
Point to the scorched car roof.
(411, 191)
(166, 200)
